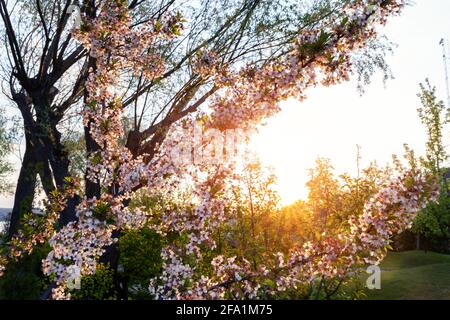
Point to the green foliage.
(293, 225)
(253, 208)
(352, 289)
(140, 259)
(324, 194)
(102, 211)
(260, 228)
(333, 199)
(24, 280)
(99, 286)
(434, 118)
(75, 146)
(5, 148)
(433, 221)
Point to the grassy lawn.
(413, 275)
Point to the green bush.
(24, 280)
(140, 259)
(99, 286)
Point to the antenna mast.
(445, 56)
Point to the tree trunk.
(24, 196)
(61, 172)
(60, 166)
(43, 150)
(418, 241)
(46, 176)
(92, 189)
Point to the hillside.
(414, 275)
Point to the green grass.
(413, 275)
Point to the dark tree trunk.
(59, 160)
(44, 155)
(24, 196)
(92, 189)
(46, 176)
(69, 212)
(26, 183)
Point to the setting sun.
(330, 124)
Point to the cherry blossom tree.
(234, 90)
(45, 69)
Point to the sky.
(333, 120)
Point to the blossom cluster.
(82, 242)
(174, 276)
(253, 94)
(389, 212)
(320, 55)
(37, 230)
(208, 65)
(79, 244)
(116, 46)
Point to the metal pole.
(445, 58)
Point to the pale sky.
(332, 121)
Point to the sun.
(329, 125)
(278, 145)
